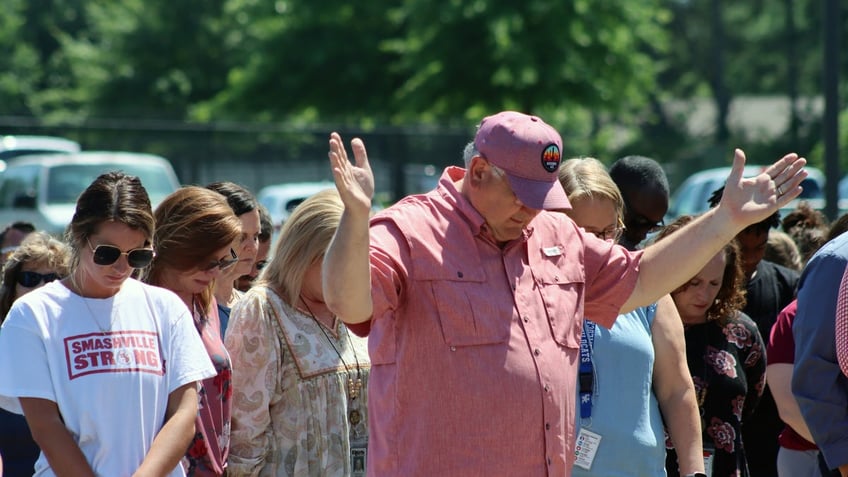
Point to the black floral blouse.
(728, 365)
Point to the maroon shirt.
(781, 349)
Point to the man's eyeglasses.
(109, 254)
(33, 279)
(222, 264)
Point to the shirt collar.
(447, 189)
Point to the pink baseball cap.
(530, 152)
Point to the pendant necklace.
(84, 299)
(353, 386)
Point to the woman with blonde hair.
(37, 261)
(725, 354)
(195, 234)
(642, 356)
(300, 377)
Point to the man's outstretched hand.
(355, 182)
(751, 200)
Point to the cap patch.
(551, 158)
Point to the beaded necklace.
(353, 386)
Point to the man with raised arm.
(473, 295)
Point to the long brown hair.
(731, 296)
(192, 224)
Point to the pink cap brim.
(540, 195)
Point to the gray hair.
(468, 153)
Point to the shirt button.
(549, 461)
(547, 426)
(453, 348)
(513, 287)
(547, 388)
(526, 320)
(537, 352)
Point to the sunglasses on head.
(33, 279)
(109, 254)
(222, 264)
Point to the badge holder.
(358, 444)
(586, 448)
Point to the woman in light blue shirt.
(633, 375)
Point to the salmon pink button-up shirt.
(475, 347)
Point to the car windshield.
(66, 182)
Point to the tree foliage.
(598, 69)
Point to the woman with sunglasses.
(642, 357)
(38, 260)
(246, 208)
(106, 366)
(195, 234)
(300, 377)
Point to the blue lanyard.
(586, 375)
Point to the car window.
(66, 182)
(18, 182)
(812, 189)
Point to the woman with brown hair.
(725, 354)
(245, 207)
(106, 366)
(195, 234)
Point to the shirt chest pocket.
(563, 291)
(469, 313)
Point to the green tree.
(141, 59)
(445, 62)
(307, 61)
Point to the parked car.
(281, 199)
(43, 189)
(692, 197)
(20, 145)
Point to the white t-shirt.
(111, 386)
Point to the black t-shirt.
(770, 291)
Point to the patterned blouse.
(728, 365)
(293, 412)
(207, 455)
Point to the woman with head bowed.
(725, 354)
(107, 366)
(300, 376)
(195, 234)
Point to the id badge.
(358, 459)
(586, 448)
(709, 454)
(358, 444)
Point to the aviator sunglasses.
(33, 279)
(109, 254)
(222, 264)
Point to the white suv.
(43, 189)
